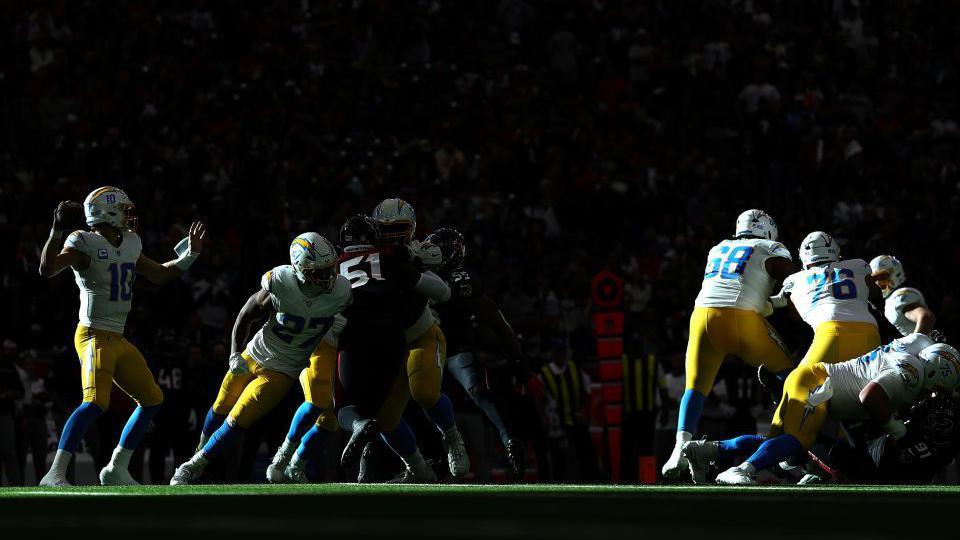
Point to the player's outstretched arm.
(53, 259)
(170, 270)
(431, 286)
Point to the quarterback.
(904, 307)
(728, 318)
(302, 298)
(105, 261)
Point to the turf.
(465, 511)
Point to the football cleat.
(675, 466)
(116, 476)
(771, 382)
(810, 479)
(457, 457)
(700, 455)
(51, 479)
(734, 476)
(277, 466)
(186, 474)
(296, 472)
(517, 457)
(361, 435)
(421, 475)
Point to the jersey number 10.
(121, 281)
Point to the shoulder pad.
(77, 240)
(778, 250)
(905, 296)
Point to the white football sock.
(684, 436)
(60, 462)
(121, 457)
(295, 460)
(287, 449)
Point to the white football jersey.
(736, 275)
(899, 374)
(911, 343)
(106, 286)
(832, 292)
(290, 335)
(895, 306)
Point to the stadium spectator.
(11, 390)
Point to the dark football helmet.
(452, 248)
(359, 230)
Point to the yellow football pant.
(248, 397)
(793, 416)
(425, 366)
(717, 332)
(107, 358)
(835, 341)
(317, 383)
(421, 381)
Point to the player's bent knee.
(100, 401)
(153, 398)
(328, 421)
(425, 397)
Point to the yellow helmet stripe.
(101, 191)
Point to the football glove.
(68, 214)
(238, 364)
(461, 284)
(895, 428)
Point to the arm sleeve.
(431, 286)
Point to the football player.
(728, 318)
(871, 387)
(904, 306)
(105, 261)
(832, 296)
(302, 299)
(397, 223)
(459, 319)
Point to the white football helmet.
(756, 223)
(818, 247)
(314, 261)
(396, 219)
(889, 273)
(110, 205)
(942, 367)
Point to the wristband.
(185, 257)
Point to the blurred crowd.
(561, 137)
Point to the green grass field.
(464, 511)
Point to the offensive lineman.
(873, 387)
(105, 261)
(904, 307)
(728, 318)
(303, 298)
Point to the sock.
(774, 451)
(223, 438)
(452, 435)
(782, 376)
(401, 440)
(137, 426)
(415, 461)
(60, 462)
(305, 417)
(441, 413)
(121, 457)
(312, 441)
(691, 407)
(77, 425)
(211, 423)
(739, 447)
(684, 436)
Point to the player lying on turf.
(728, 318)
(873, 386)
(931, 442)
(105, 261)
(462, 318)
(302, 299)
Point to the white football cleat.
(735, 476)
(52, 479)
(457, 457)
(699, 455)
(810, 479)
(296, 472)
(112, 475)
(677, 463)
(277, 466)
(187, 474)
(420, 475)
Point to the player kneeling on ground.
(873, 387)
(304, 297)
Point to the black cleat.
(770, 381)
(358, 440)
(366, 473)
(517, 457)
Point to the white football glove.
(780, 300)
(429, 254)
(238, 365)
(895, 428)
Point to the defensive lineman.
(728, 318)
(105, 261)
